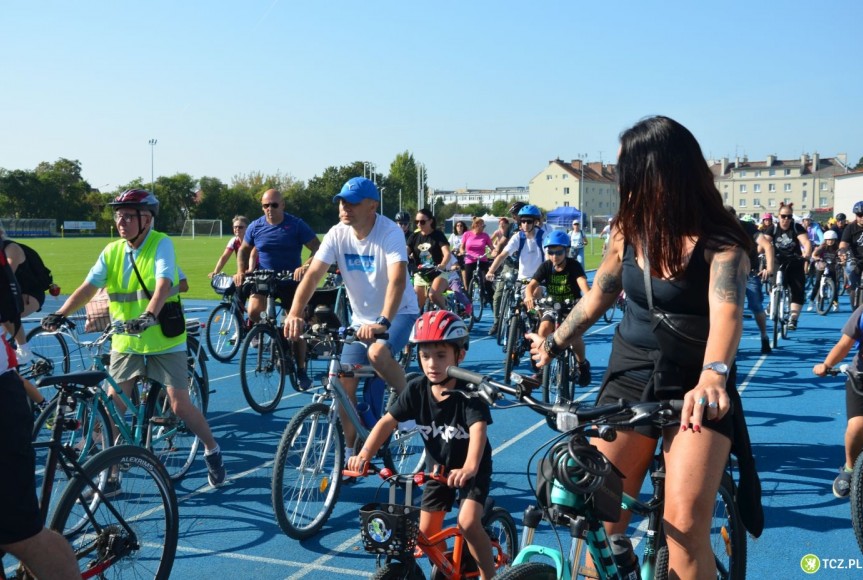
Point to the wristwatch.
(718, 367)
(382, 320)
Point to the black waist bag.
(172, 320)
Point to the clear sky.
(483, 93)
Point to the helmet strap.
(140, 228)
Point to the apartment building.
(755, 187)
(484, 197)
(590, 187)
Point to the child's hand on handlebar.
(460, 477)
(356, 463)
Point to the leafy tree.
(402, 176)
(319, 211)
(65, 192)
(859, 164)
(22, 194)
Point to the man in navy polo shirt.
(279, 238)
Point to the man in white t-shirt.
(526, 245)
(369, 250)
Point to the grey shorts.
(171, 369)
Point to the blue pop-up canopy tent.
(563, 216)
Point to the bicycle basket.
(97, 317)
(389, 529)
(221, 283)
(265, 284)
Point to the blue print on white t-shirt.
(358, 263)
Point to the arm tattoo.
(610, 283)
(575, 323)
(730, 278)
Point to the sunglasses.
(420, 222)
(404, 223)
(555, 252)
(527, 221)
(273, 205)
(784, 216)
(239, 227)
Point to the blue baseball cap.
(357, 189)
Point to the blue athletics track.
(796, 421)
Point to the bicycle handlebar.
(438, 473)
(853, 377)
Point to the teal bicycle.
(579, 489)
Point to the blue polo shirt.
(279, 246)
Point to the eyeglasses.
(239, 227)
(526, 221)
(559, 252)
(126, 218)
(420, 222)
(273, 205)
(784, 216)
(404, 223)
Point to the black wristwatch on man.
(383, 321)
(551, 347)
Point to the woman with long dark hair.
(671, 222)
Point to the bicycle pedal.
(163, 421)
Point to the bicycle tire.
(826, 295)
(404, 451)
(786, 313)
(503, 532)
(512, 356)
(224, 332)
(503, 315)
(303, 497)
(556, 382)
(198, 367)
(150, 550)
(399, 571)
(775, 316)
(262, 374)
(50, 357)
(88, 437)
(529, 571)
(608, 315)
(167, 436)
(475, 293)
(857, 500)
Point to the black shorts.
(18, 504)
(439, 497)
(853, 402)
(285, 290)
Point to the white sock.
(215, 449)
(349, 452)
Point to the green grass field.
(71, 258)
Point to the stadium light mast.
(152, 173)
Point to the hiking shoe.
(304, 380)
(842, 484)
(810, 308)
(792, 324)
(255, 342)
(835, 307)
(584, 373)
(765, 346)
(215, 468)
(493, 330)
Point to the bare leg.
(478, 542)
(47, 555)
(853, 441)
(181, 405)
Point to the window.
(758, 173)
(741, 203)
(564, 176)
(565, 191)
(787, 187)
(742, 188)
(756, 202)
(804, 195)
(771, 187)
(771, 172)
(566, 204)
(787, 171)
(756, 188)
(771, 202)
(548, 177)
(823, 186)
(742, 174)
(822, 201)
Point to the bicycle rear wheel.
(857, 500)
(826, 295)
(168, 437)
(262, 369)
(142, 541)
(224, 332)
(307, 471)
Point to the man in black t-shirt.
(852, 239)
(428, 248)
(564, 279)
(787, 238)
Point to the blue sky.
(483, 93)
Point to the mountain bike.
(311, 454)
(119, 509)
(825, 295)
(390, 531)
(507, 299)
(477, 290)
(228, 324)
(519, 322)
(560, 376)
(779, 307)
(455, 298)
(577, 487)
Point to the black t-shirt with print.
(853, 236)
(444, 425)
(564, 284)
(427, 250)
(786, 243)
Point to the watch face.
(719, 367)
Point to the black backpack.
(11, 300)
(33, 275)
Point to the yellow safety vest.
(128, 302)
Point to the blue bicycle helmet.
(858, 208)
(533, 211)
(556, 238)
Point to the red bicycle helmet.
(439, 326)
(138, 199)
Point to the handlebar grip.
(464, 375)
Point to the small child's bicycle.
(391, 532)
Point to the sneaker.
(842, 484)
(765, 346)
(24, 355)
(493, 330)
(255, 342)
(233, 340)
(835, 307)
(792, 324)
(584, 373)
(215, 468)
(304, 379)
(112, 489)
(810, 308)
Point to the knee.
(468, 523)
(378, 353)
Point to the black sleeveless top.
(684, 295)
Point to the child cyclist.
(453, 429)
(852, 335)
(564, 279)
(828, 250)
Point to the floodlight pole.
(152, 173)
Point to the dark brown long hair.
(667, 195)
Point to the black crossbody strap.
(648, 290)
(138, 274)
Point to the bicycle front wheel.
(138, 537)
(776, 316)
(608, 315)
(168, 436)
(475, 293)
(556, 382)
(515, 338)
(503, 533)
(503, 313)
(826, 296)
(727, 535)
(857, 500)
(529, 571)
(307, 471)
(262, 368)
(50, 357)
(224, 332)
(785, 312)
